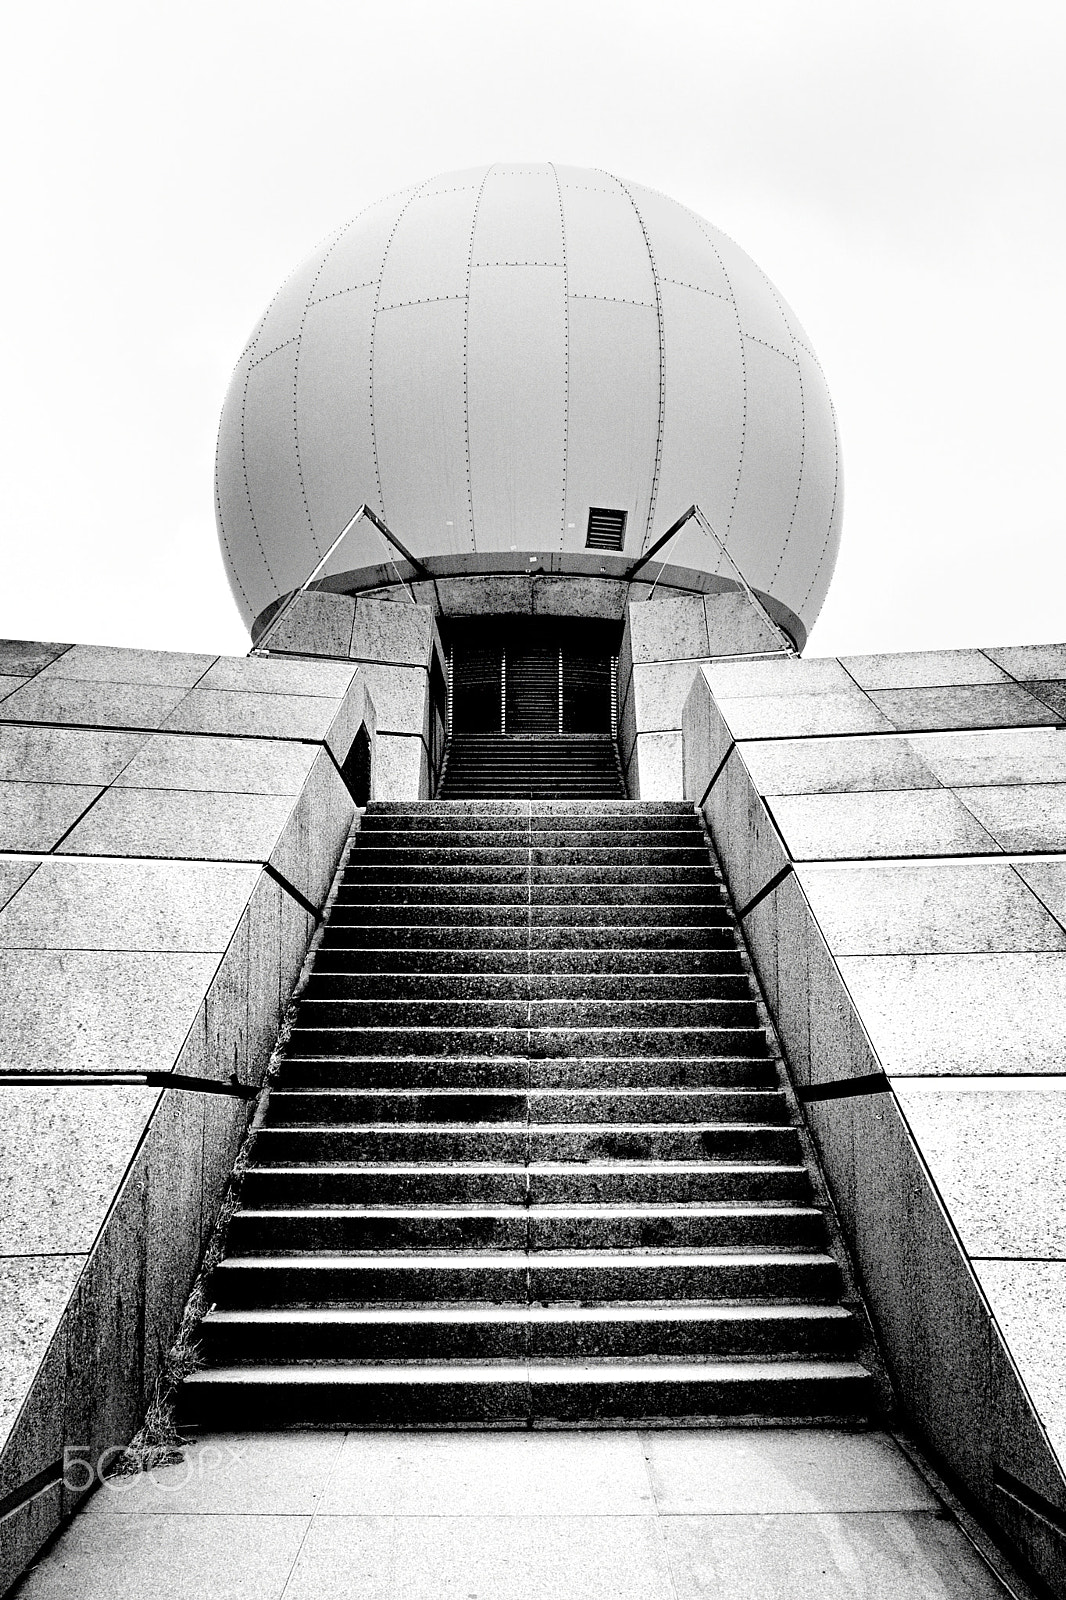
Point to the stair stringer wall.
(123, 1180)
(963, 1391)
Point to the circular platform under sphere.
(489, 356)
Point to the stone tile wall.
(893, 831)
(169, 827)
(394, 644)
(665, 641)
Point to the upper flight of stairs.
(530, 1159)
(531, 767)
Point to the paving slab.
(992, 705)
(279, 675)
(128, 905)
(33, 1292)
(232, 766)
(1025, 816)
(13, 874)
(994, 755)
(801, 716)
(24, 657)
(1030, 660)
(907, 822)
(66, 755)
(978, 1140)
(264, 716)
(231, 1474)
(936, 1015)
(913, 669)
(93, 704)
(818, 675)
(97, 1011)
(35, 816)
(63, 1154)
(836, 766)
(934, 907)
(195, 824)
(902, 1555)
(98, 663)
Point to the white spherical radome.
(486, 356)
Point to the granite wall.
(893, 832)
(398, 649)
(170, 826)
(664, 642)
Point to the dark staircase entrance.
(532, 710)
(531, 1158)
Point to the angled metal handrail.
(387, 533)
(695, 514)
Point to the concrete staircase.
(531, 767)
(530, 1158)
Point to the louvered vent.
(607, 529)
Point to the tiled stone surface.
(1028, 1299)
(732, 680)
(24, 657)
(1031, 660)
(1047, 879)
(66, 755)
(994, 755)
(755, 1512)
(909, 822)
(97, 1011)
(660, 690)
(1052, 695)
(62, 1157)
(901, 908)
(923, 669)
(218, 1558)
(278, 675)
(787, 716)
(93, 704)
(836, 766)
(948, 1014)
(13, 874)
(316, 623)
(900, 1554)
(96, 663)
(233, 766)
(35, 816)
(33, 1293)
(1022, 816)
(8, 684)
(400, 697)
(128, 905)
(727, 1472)
(176, 823)
(1004, 705)
(979, 1142)
(264, 715)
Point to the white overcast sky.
(896, 167)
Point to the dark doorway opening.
(534, 675)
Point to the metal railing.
(372, 517)
(694, 514)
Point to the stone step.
(536, 1107)
(565, 1391)
(477, 1143)
(469, 875)
(619, 845)
(336, 1071)
(554, 987)
(674, 1015)
(518, 1333)
(690, 1226)
(517, 1277)
(608, 1183)
(551, 909)
(530, 936)
(439, 891)
(625, 965)
(703, 1040)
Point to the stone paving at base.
(752, 1514)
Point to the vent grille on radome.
(607, 529)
